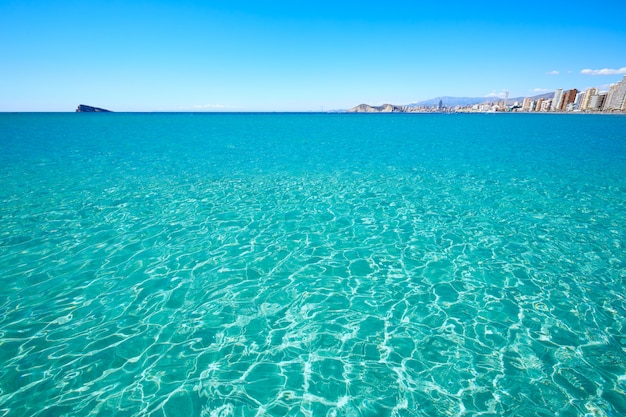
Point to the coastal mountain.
(83, 108)
(385, 108)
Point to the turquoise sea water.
(312, 265)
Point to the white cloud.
(539, 90)
(495, 94)
(554, 72)
(604, 71)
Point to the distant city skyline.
(187, 55)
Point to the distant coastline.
(591, 100)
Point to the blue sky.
(184, 55)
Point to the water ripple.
(398, 291)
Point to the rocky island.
(83, 108)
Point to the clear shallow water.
(340, 265)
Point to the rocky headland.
(385, 108)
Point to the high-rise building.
(596, 102)
(579, 97)
(538, 104)
(556, 99)
(609, 96)
(527, 104)
(616, 99)
(567, 98)
(584, 105)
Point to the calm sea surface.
(312, 265)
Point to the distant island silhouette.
(83, 108)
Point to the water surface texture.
(312, 265)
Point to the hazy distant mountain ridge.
(448, 101)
